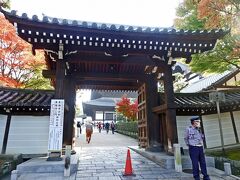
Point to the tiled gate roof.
(25, 100)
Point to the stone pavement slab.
(167, 162)
(41, 169)
(105, 140)
(109, 163)
(45, 176)
(105, 158)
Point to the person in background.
(89, 129)
(112, 127)
(194, 140)
(79, 129)
(107, 125)
(99, 126)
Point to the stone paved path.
(104, 159)
(107, 163)
(105, 140)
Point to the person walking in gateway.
(194, 140)
(107, 125)
(99, 126)
(89, 129)
(79, 129)
(112, 127)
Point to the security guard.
(194, 140)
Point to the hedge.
(235, 165)
(128, 128)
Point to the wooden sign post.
(56, 130)
(218, 97)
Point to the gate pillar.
(148, 123)
(142, 118)
(65, 89)
(70, 101)
(171, 125)
(152, 100)
(60, 79)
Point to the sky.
(151, 13)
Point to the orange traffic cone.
(128, 167)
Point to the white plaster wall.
(182, 123)
(3, 121)
(212, 130)
(236, 115)
(28, 135)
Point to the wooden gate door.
(142, 117)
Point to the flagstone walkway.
(105, 157)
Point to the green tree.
(210, 14)
(78, 111)
(178, 84)
(5, 3)
(38, 81)
(187, 16)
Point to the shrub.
(128, 128)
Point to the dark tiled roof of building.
(199, 102)
(185, 102)
(25, 98)
(223, 80)
(105, 26)
(202, 99)
(103, 101)
(108, 41)
(209, 82)
(113, 94)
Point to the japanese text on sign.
(56, 125)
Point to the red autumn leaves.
(16, 60)
(127, 108)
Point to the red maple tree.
(127, 108)
(16, 60)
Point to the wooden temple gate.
(110, 57)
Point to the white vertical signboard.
(56, 125)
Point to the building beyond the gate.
(103, 104)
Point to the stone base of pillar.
(155, 147)
(54, 156)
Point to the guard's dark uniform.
(194, 140)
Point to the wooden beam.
(86, 57)
(234, 127)
(104, 58)
(159, 109)
(183, 38)
(108, 87)
(5, 138)
(202, 128)
(60, 78)
(99, 76)
(128, 77)
(228, 87)
(106, 83)
(49, 73)
(70, 98)
(171, 124)
(153, 124)
(109, 79)
(149, 69)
